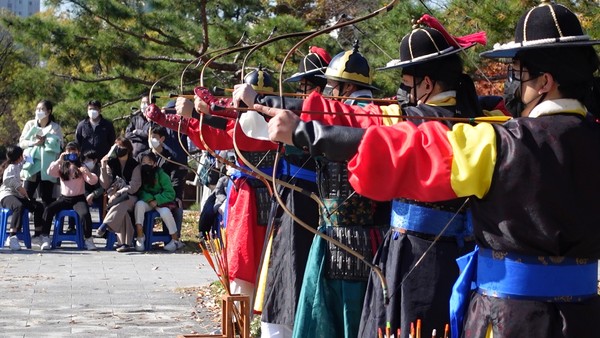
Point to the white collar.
(442, 96)
(558, 106)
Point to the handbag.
(117, 200)
(117, 184)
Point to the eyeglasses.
(305, 88)
(517, 74)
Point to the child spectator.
(14, 196)
(156, 193)
(73, 176)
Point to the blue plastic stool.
(24, 234)
(59, 235)
(111, 239)
(151, 236)
(99, 206)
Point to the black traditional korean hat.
(259, 79)
(429, 42)
(547, 25)
(314, 63)
(351, 67)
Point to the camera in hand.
(71, 157)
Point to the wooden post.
(228, 306)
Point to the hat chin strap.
(426, 95)
(540, 98)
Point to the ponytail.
(467, 101)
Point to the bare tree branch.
(165, 58)
(204, 45)
(105, 79)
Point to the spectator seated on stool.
(157, 194)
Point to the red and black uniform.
(535, 190)
(246, 223)
(334, 283)
(426, 292)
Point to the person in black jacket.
(137, 130)
(95, 132)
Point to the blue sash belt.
(430, 221)
(508, 275)
(238, 173)
(552, 279)
(291, 170)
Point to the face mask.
(143, 106)
(71, 157)
(328, 91)
(40, 114)
(403, 95)
(148, 170)
(411, 100)
(89, 164)
(93, 114)
(121, 151)
(512, 98)
(154, 143)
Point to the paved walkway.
(68, 292)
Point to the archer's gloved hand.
(244, 93)
(184, 106)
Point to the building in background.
(21, 7)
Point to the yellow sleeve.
(474, 158)
(391, 114)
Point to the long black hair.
(148, 172)
(12, 155)
(447, 72)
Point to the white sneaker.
(13, 243)
(89, 244)
(36, 240)
(46, 243)
(139, 244)
(173, 245)
(180, 245)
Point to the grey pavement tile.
(10, 333)
(134, 300)
(123, 278)
(125, 287)
(47, 332)
(91, 302)
(13, 322)
(81, 294)
(96, 287)
(50, 321)
(96, 330)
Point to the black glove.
(337, 143)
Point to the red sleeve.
(404, 160)
(317, 108)
(221, 139)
